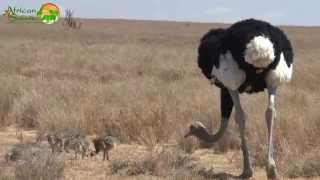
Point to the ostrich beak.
(188, 134)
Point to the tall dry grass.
(139, 81)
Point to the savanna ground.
(139, 81)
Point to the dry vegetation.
(139, 82)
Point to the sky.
(279, 12)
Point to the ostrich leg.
(270, 117)
(241, 120)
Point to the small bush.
(5, 176)
(189, 145)
(69, 20)
(117, 165)
(25, 111)
(7, 97)
(161, 164)
(44, 166)
(23, 151)
(306, 166)
(29, 118)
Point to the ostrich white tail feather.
(259, 52)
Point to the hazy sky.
(293, 12)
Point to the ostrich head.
(195, 129)
(199, 130)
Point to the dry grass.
(31, 161)
(139, 82)
(161, 164)
(43, 166)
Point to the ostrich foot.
(247, 173)
(272, 172)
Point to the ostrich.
(248, 57)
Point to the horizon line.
(189, 21)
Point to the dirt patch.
(133, 161)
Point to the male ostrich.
(248, 57)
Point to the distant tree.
(70, 21)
